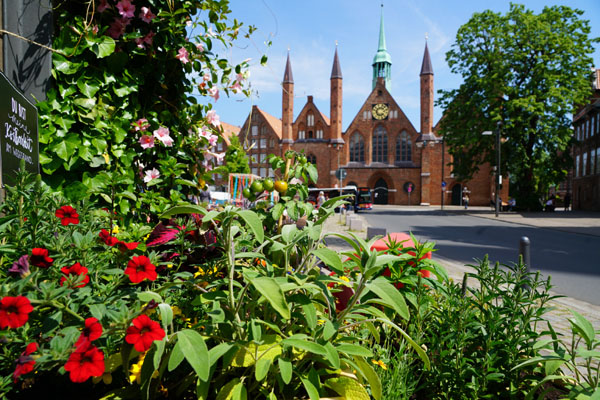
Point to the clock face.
(380, 111)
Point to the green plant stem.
(357, 294)
(59, 306)
(229, 245)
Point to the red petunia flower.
(143, 332)
(68, 215)
(123, 246)
(107, 238)
(91, 331)
(140, 268)
(75, 269)
(25, 362)
(14, 311)
(86, 361)
(39, 258)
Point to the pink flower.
(146, 40)
(102, 6)
(140, 125)
(236, 87)
(117, 27)
(212, 139)
(151, 174)
(240, 78)
(213, 118)
(147, 142)
(95, 29)
(162, 134)
(183, 55)
(209, 32)
(217, 156)
(199, 47)
(146, 15)
(126, 9)
(205, 77)
(214, 93)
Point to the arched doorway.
(380, 192)
(457, 195)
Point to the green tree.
(236, 159)
(525, 73)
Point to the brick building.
(380, 149)
(586, 152)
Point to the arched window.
(311, 158)
(380, 145)
(403, 147)
(357, 148)
(310, 120)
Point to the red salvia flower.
(140, 268)
(86, 361)
(91, 331)
(14, 311)
(107, 238)
(39, 258)
(143, 332)
(68, 215)
(75, 269)
(25, 363)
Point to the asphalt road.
(572, 259)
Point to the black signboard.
(19, 132)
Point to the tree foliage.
(526, 73)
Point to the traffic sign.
(443, 184)
(341, 174)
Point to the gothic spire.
(382, 62)
(426, 68)
(287, 76)
(336, 71)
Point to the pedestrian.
(567, 201)
(320, 199)
(466, 200)
(550, 204)
(512, 202)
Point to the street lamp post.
(498, 177)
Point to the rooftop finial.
(426, 35)
(336, 43)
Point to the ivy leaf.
(66, 147)
(103, 46)
(87, 87)
(62, 65)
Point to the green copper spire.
(382, 61)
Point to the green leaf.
(583, 327)
(390, 296)
(63, 65)
(354, 349)
(372, 377)
(305, 345)
(176, 357)
(255, 224)
(147, 296)
(87, 87)
(239, 392)
(312, 391)
(195, 352)
(271, 290)
(66, 147)
(410, 341)
(103, 46)
(218, 351)
(262, 368)
(328, 330)
(348, 388)
(226, 392)
(187, 209)
(312, 172)
(332, 355)
(331, 259)
(285, 370)
(166, 315)
(85, 102)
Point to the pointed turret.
(287, 75)
(382, 62)
(287, 106)
(336, 70)
(426, 68)
(426, 97)
(335, 101)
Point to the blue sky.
(310, 29)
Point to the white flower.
(151, 174)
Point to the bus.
(364, 199)
(352, 190)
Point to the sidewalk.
(586, 223)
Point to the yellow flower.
(146, 237)
(345, 278)
(321, 322)
(380, 363)
(106, 158)
(148, 311)
(115, 230)
(169, 266)
(176, 310)
(136, 370)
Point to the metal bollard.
(525, 253)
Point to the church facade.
(380, 149)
